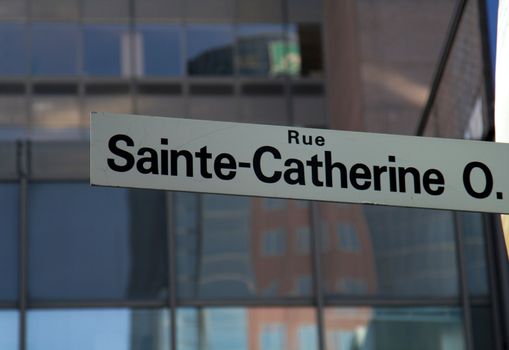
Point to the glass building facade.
(109, 268)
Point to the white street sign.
(300, 163)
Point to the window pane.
(305, 10)
(257, 44)
(210, 50)
(247, 328)
(13, 115)
(244, 249)
(261, 10)
(111, 9)
(13, 49)
(305, 50)
(96, 243)
(210, 10)
(107, 103)
(107, 50)
(63, 9)
(9, 330)
(482, 328)
(53, 114)
(13, 9)
(54, 49)
(163, 9)
(161, 105)
(217, 108)
(383, 251)
(264, 110)
(396, 328)
(122, 329)
(159, 50)
(8, 243)
(471, 225)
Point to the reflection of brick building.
(347, 251)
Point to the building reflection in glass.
(395, 328)
(242, 247)
(246, 328)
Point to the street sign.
(301, 163)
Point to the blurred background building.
(109, 268)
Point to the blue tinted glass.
(247, 328)
(9, 321)
(8, 242)
(437, 328)
(257, 44)
(13, 49)
(161, 50)
(54, 48)
(96, 243)
(106, 50)
(472, 226)
(114, 329)
(210, 50)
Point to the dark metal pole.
(439, 72)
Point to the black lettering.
(329, 166)
(203, 156)
(257, 157)
(320, 141)
(174, 162)
(377, 172)
(309, 140)
(402, 180)
(298, 171)
(128, 157)
(314, 163)
(360, 171)
(488, 187)
(435, 178)
(229, 164)
(151, 160)
(293, 135)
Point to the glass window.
(125, 329)
(159, 9)
(9, 330)
(257, 46)
(347, 237)
(210, 49)
(13, 55)
(54, 49)
(472, 227)
(107, 50)
(54, 114)
(8, 243)
(13, 9)
(401, 252)
(220, 10)
(113, 103)
(264, 110)
(483, 328)
(246, 328)
(217, 108)
(395, 328)
(224, 251)
(309, 111)
(90, 243)
(303, 240)
(161, 105)
(305, 10)
(304, 52)
(13, 115)
(53, 9)
(260, 10)
(159, 50)
(111, 9)
(274, 242)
